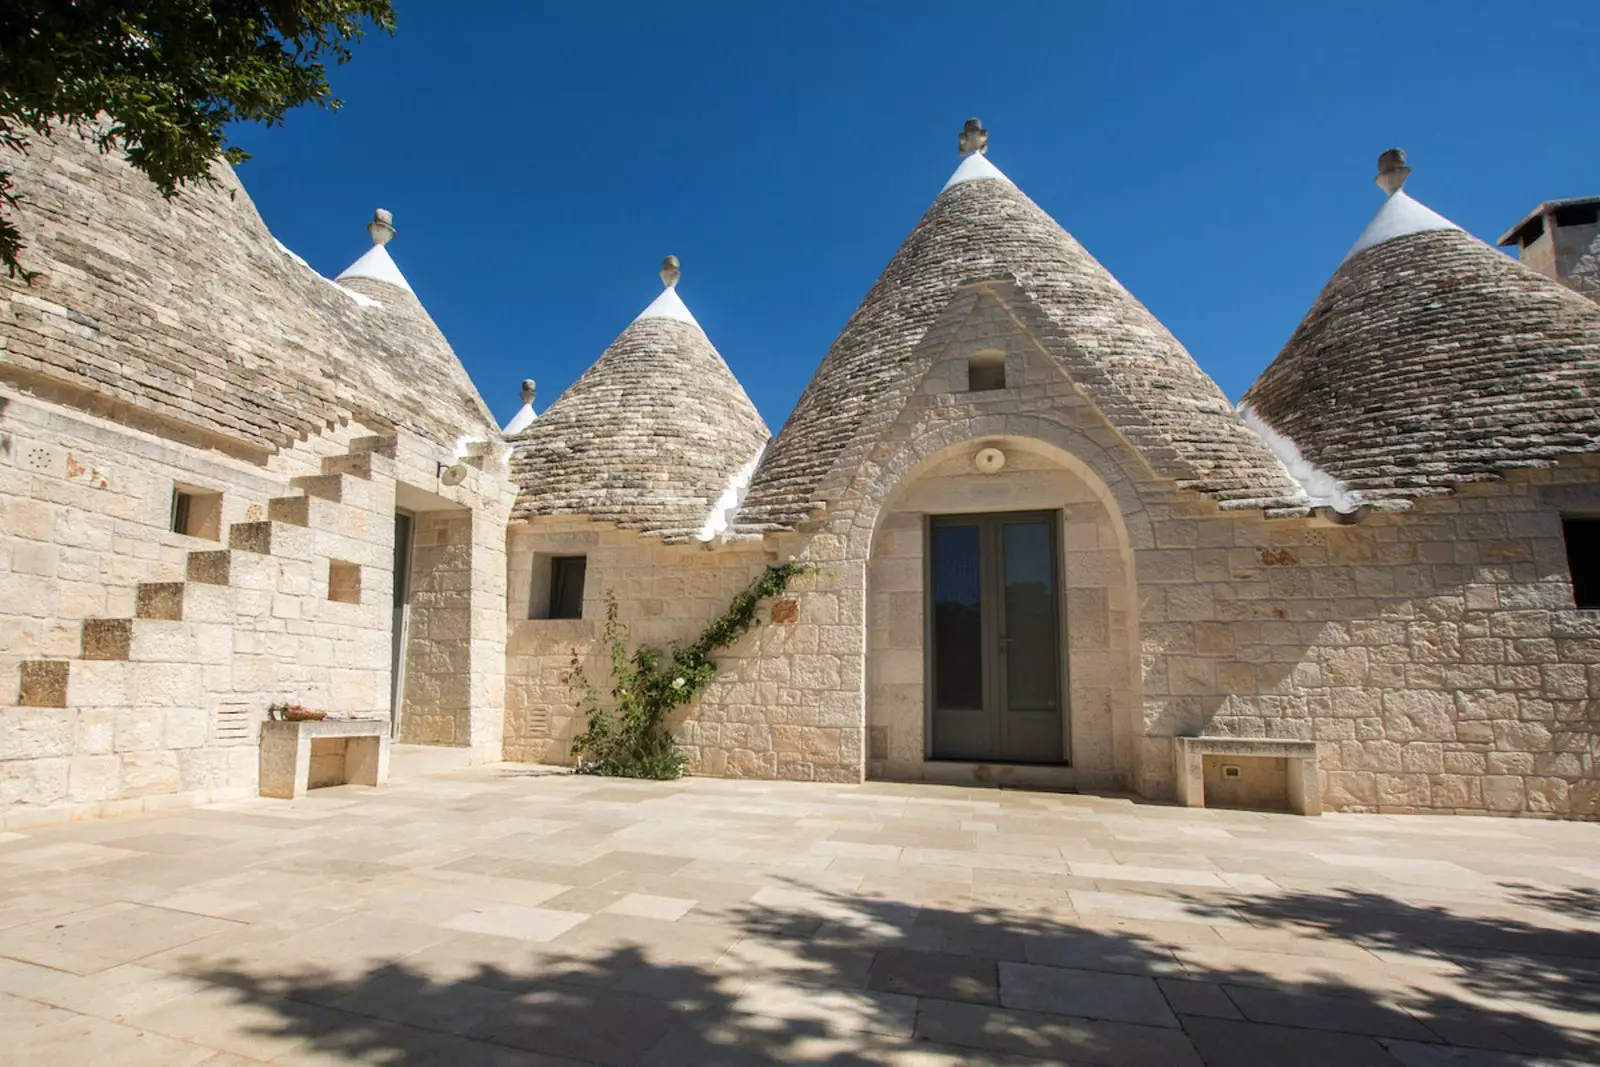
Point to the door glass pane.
(957, 622)
(1030, 617)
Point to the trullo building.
(1048, 549)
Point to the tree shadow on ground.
(819, 976)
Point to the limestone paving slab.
(474, 916)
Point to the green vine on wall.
(627, 737)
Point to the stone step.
(386, 445)
(107, 638)
(210, 567)
(181, 641)
(339, 488)
(329, 486)
(157, 640)
(159, 600)
(151, 689)
(44, 683)
(228, 569)
(269, 537)
(294, 510)
(355, 464)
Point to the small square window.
(196, 513)
(985, 373)
(1583, 560)
(344, 581)
(566, 586)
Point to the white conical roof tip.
(1400, 215)
(377, 264)
(975, 165)
(524, 416)
(669, 305)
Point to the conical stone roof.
(1431, 359)
(650, 436)
(187, 313)
(982, 226)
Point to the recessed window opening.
(986, 371)
(566, 586)
(1583, 559)
(196, 512)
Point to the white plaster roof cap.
(669, 305)
(521, 420)
(973, 168)
(377, 265)
(1399, 216)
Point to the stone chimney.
(1561, 240)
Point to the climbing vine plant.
(627, 737)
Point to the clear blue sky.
(540, 159)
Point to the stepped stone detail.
(210, 568)
(159, 600)
(44, 684)
(107, 638)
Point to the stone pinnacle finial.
(527, 390)
(1392, 170)
(670, 272)
(381, 227)
(974, 138)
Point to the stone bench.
(1254, 781)
(287, 754)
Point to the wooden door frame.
(400, 624)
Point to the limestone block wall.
(164, 650)
(786, 701)
(1434, 654)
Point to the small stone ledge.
(286, 753)
(1304, 783)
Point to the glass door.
(994, 638)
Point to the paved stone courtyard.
(498, 916)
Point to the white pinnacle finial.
(974, 138)
(381, 227)
(529, 390)
(670, 272)
(1392, 171)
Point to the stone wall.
(164, 650)
(784, 704)
(1433, 653)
